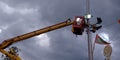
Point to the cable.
(109, 25)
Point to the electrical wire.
(110, 24)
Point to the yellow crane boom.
(13, 57)
(8, 42)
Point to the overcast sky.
(22, 16)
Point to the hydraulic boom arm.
(8, 42)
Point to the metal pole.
(87, 6)
(89, 41)
(90, 54)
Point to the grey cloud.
(115, 2)
(63, 43)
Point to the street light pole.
(90, 54)
(88, 16)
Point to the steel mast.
(88, 16)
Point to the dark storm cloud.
(63, 43)
(62, 9)
(71, 48)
